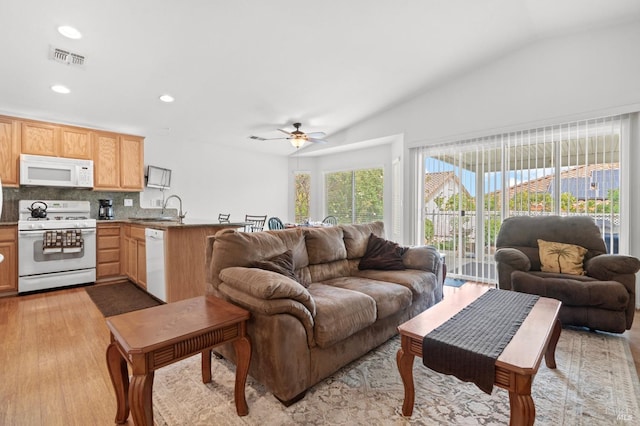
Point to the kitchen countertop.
(162, 224)
(165, 224)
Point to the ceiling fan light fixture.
(297, 141)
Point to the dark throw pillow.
(382, 254)
(282, 264)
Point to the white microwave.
(40, 170)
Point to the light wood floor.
(53, 360)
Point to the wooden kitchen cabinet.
(109, 259)
(75, 143)
(9, 266)
(9, 151)
(40, 138)
(131, 163)
(106, 161)
(118, 159)
(135, 255)
(118, 162)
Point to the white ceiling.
(246, 67)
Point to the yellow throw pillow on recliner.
(561, 258)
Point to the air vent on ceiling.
(66, 57)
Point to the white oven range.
(41, 267)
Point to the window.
(302, 191)
(355, 196)
(470, 186)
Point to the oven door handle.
(40, 233)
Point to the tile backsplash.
(11, 196)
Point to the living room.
(564, 72)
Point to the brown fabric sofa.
(601, 299)
(302, 332)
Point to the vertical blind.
(471, 185)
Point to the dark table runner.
(468, 344)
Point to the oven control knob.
(38, 225)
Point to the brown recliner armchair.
(603, 298)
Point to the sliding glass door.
(470, 186)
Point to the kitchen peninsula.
(122, 252)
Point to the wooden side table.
(152, 338)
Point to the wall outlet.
(128, 202)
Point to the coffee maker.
(105, 212)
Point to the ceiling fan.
(297, 137)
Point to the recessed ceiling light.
(167, 98)
(69, 32)
(59, 88)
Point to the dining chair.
(256, 223)
(275, 223)
(330, 220)
(223, 218)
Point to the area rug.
(454, 282)
(595, 384)
(116, 299)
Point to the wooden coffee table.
(152, 338)
(515, 367)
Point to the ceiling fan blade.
(284, 131)
(316, 135)
(314, 140)
(260, 138)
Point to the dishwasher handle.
(153, 234)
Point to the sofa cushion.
(324, 245)
(610, 295)
(293, 240)
(233, 248)
(415, 280)
(382, 254)
(356, 237)
(390, 298)
(266, 285)
(340, 313)
(561, 258)
(282, 264)
(327, 271)
(426, 258)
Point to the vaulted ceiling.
(247, 67)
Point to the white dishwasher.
(156, 284)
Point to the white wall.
(212, 180)
(555, 79)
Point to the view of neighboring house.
(587, 182)
(438, 188)
(451, 211)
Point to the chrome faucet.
(180, 214)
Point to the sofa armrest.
(607, 266)
(509, 260)
(271, 307)
(267, 285)
(516, 259)
(425, 258)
